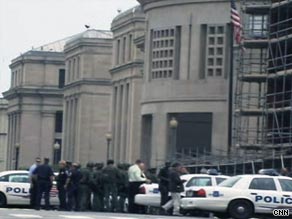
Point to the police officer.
(61, 182)
(163, 183)
(72, 186)
(45, 176)
(123, 184)
(97, 188)
(84, 187)
(111, 176)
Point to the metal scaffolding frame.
(263, 97)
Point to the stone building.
(3, 133)
(185, 78)
(128, 30)
(35, 104)
(87, 96)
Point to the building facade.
(127, 68)
(87, 96)
(35, 104)
(3, 133)
(185, 79)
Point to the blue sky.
(30, 23)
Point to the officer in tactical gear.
(84, 187)
(111, 177)
(97, 188)
(122, 184)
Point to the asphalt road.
(16, 213)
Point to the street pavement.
(18, 213)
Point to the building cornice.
(151, 4)
(33, 91)
(133, 64)
(88, 42)
(116, 25)
(98, 82)
(184, 99)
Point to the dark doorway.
(146, 138)
(193, 134)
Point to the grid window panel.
(163, 45)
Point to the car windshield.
(230, 182)
(200, 181)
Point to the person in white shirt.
(33, 187)
(136, 179)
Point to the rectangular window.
(59, 122)
(124, 49)
(130, 47)
(118, 52)
(258, 25)
(61, 78)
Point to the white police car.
(150, 195)
(243, 196)
(14, 189)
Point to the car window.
(18, 178)
(219, 180)
(286, 185)
(263, 184)
(4, 178)
(199, 181)
(230, 182)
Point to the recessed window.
(211, 40)
(211, 30)
(211, 61)
(210, 72)
(219, 51)
(172, 32)
(218, 72)
(220, 29)
(211, 51)
(219, 61)
(220, 40)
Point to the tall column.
(47, 134)
(9, 144)
(117, 124)
(123, 131)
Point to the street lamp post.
(57, 147)
(17, 146)
(173, 123)
(108, 137)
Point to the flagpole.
(230, 91)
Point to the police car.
(150, 194)
(243, 196)
(14, 189)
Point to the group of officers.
(95, 187)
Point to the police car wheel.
(240, 209)
(2, 200)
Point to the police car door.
(17, 189)
(264, 194)
(286, 187)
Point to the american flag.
(235, 20)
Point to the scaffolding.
(263, 97)
(250, 117)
